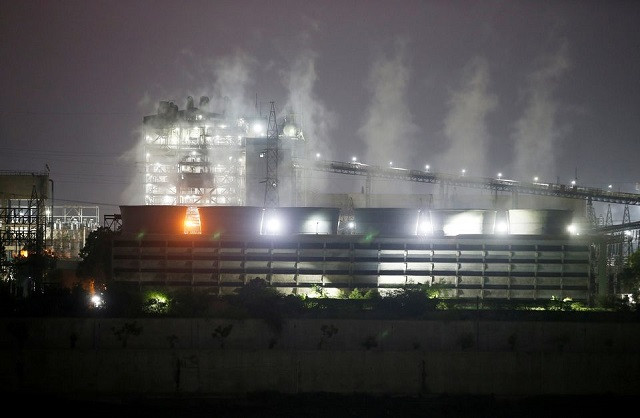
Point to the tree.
(629, 278)
(4, 263)
(95, 256)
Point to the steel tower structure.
(271, 195)
(193, 156)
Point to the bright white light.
(610, 186)
(273, 225)
(499, 175)
(258, 128)
(199, 117)
(502, 227)
(463, 171)
(535, 178)
(390, 162)
(318, 155)
(230, 158)
(289, 130)
(573, 182)
(351, 225)
(426, 167)
(223, 126)
(627, 233)
(572, 229)
(425, 228)
(354, 159)
(96, 301)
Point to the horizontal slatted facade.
(508, 267)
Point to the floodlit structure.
(226, 199)
(30, 222)
(71, 227)
(23, 212)
(295, 248)
(196, 157)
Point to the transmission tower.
(591, 214)
(625, 217)
(271, 198)
(609, 220)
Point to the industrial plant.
(226, 202)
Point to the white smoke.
(315, 119)
(465, 125)
(133, 194)
(388, 124)
(234, 79)
(388, 131)
(536, 134)
(309, 112)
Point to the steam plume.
(536, 133)
(310, 113)
(388, 130)
(465, 125)
(233, 80)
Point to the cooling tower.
(539, 221)
(451, 222)
(300, 220)
(387, 222)
(230, 220)
(153, 219)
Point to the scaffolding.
(23, 224)
(23, 213)
(71, 227)
(194, 157)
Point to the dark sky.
(526, 88)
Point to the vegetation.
(95, 256)
(256, 299)
(629, 278)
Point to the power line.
(88, 203)
(54, 152)
(30, 112)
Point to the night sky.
(525, 88)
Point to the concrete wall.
(342, 356)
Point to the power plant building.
(295, 248)
(207, 220)
(196, 157)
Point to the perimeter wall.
(234, 357)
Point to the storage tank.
(153, 219)
(386, 221)
(451, 222)
(300, 220)
(539, 221)
(230, 220)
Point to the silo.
(153, 219)
(539, 221)
(386, 221)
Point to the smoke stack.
(190, 105)
(225, 105)
(163, 108)
(204, 100)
